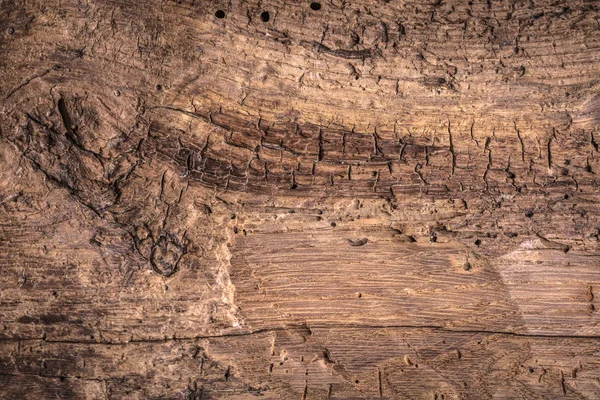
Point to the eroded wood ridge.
(299, 200)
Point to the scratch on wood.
(359, 242)
(379, 383)
(453, 166)
(339, 53)
(521, 142)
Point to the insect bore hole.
(220, 14)
(315, 6)
(264, 16)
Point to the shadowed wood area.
(299, 200)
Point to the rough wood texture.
(360, 200)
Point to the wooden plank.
(346, 199)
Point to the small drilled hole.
(264, 16)
(315, 6)
(220, 14)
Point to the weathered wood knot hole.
(264, 16)
(315, 6)
(220, 14)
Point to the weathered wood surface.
(373, 199)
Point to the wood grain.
(362, 200)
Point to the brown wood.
(345, 200)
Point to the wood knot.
(165, 256)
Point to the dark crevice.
(435, 328)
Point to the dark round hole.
(264, 16)
(220, 14)
(315, 6)
(159, 87)
(10, 30)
